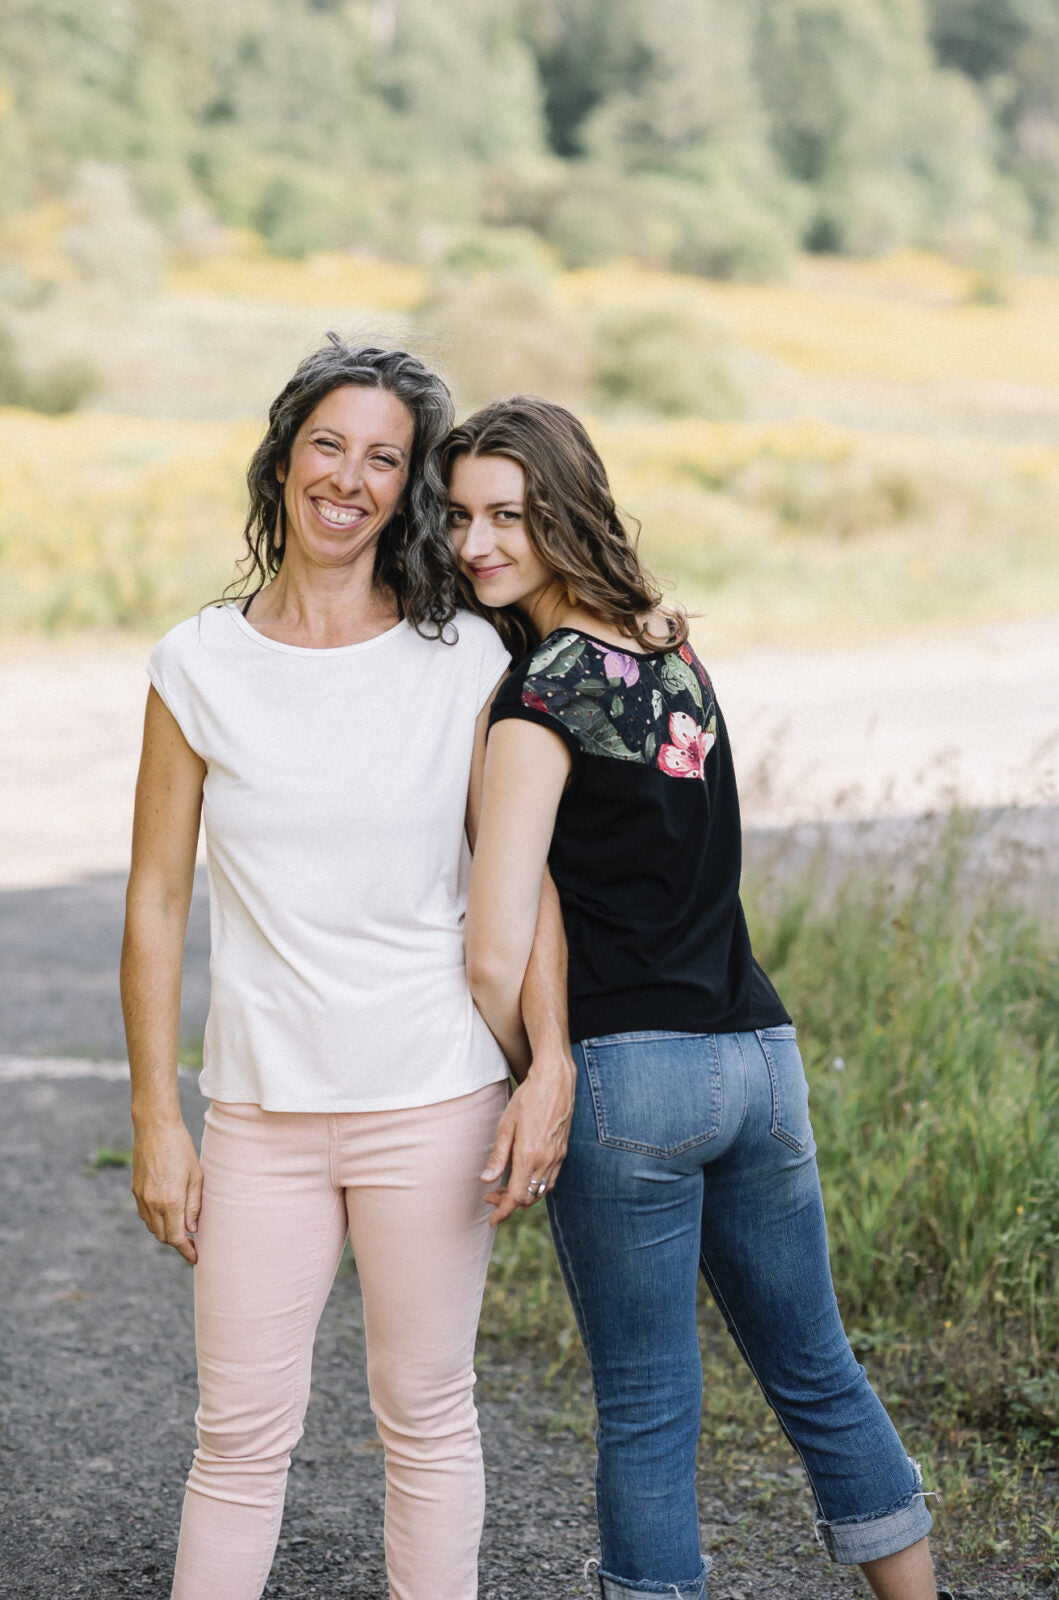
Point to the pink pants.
(281, 1190)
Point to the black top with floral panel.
(647, 867)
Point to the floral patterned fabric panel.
(657, 710)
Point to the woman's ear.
(281, 472)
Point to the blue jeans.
(689, 1153)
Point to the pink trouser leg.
(421, 1240)
(270, 1238)
(274, 1217)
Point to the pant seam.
(572, 1286)
(741, 1347)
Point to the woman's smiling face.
(486, 520)
(347, 474)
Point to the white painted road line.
(24, 1069)
(21, 1069)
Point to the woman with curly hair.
(330, 730)
(690, 1150)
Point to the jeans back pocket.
(656, 1093)
(790, 1091)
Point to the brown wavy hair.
(414, 557)
(570, 518)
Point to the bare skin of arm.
(516, 955)
(166, 1177)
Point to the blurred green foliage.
(713, 136)
(59, 388)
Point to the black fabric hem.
(664, 1010)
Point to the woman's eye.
(508, 517)
(387, 461)
(455, 519)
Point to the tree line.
(711, 136)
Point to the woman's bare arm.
(516, 954)
(166, 1178)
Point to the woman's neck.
(556, 614)
(324, 608)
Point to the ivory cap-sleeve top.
(646, 850)
(334, 805)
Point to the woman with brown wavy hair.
(690, 1149)
(329, 728)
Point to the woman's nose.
(348, 473)
(477, 538)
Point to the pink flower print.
(691, 745)
(618, 665)
(532, 700)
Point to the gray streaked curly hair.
(414, 556)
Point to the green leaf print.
(617, 706)
(597, 733)
(602, 738)
(567, 659)
(677, 675)
(650, 745)
(551, 649)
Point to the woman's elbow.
(491, 972)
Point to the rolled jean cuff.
(855, 1539)
(613, 1588)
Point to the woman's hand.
(531, 1138)
(167, 1184)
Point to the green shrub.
(666, 359)
(505, 333)
(58, 389)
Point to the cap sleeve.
(519, 697)
(167, 668)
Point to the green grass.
(106, 1157)
(939, 1158)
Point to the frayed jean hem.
(614, 1588)
(853, 1540)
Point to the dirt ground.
(96, 1358)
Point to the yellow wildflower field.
(783, 533)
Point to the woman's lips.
(337, 516)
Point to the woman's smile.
(335, 515)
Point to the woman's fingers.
(177, 1234)
(537, 1147)
(167, 1185)
(500, 1154)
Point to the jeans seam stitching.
(776, 1131)
(718, 1296)
(561, 1250)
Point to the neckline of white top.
(247, 627)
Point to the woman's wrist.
(152, 1111)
